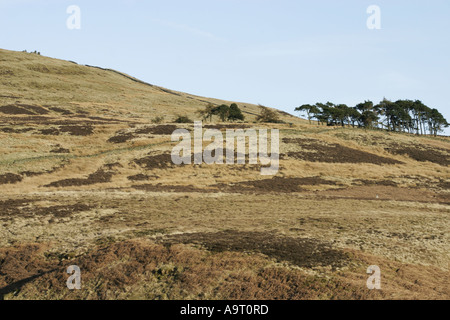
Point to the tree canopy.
(401, 116)
(224, 112)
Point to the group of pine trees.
(401, 116)
(224, 112)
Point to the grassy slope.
(337, 188)
(33, 79)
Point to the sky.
(279, 53)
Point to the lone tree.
(310, 110)
(369, 115)
(268, 116)
(235, 113)
(223, 112)
(208, 112)
(437, 122)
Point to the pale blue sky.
(278, 53)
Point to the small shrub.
(235, 113)
(183, 119)
(268, 116)
(157, 120)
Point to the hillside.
(32, 79)
(86, 178)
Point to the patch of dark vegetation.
(82, 112)
(14, 130)
(121, 138)
(142, 177)
(158, 130)
(29, 120)
(444, 184)
(226, 126)
(416, 181)
(26, 209)
(421, 153)
(318, 151)
(172, 188)
(32, 173)
(151, 162)
(20, 265)
(276, 185)
(99, 120)
(302, 252)
(49, 132)
(77, 130)
(365, 182)
(100, 176)
(60, 110)
(21, 109)
(10, 178)
(107, 120)
(12, 109)
(73, 130)
(70, 120)
(75, 120)
(60, 150)
(111, 166)
(36, 109)
(122, 270)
